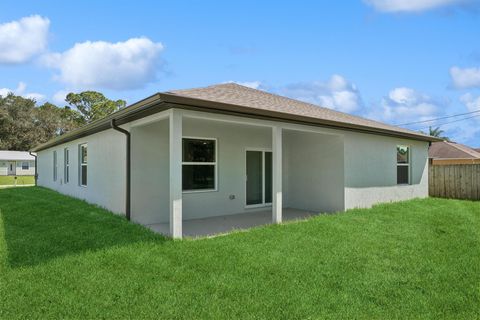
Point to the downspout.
(127, 162)
(36, 173)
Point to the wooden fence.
(460, 181)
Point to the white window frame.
(66, 165)
(81, 164)
(215, 164)
(408, 165)
(263, 204)
(28, 165)
(55, 165)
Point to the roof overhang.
(164, 101)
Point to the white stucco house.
(16, 163)
(228, 156)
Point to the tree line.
(24, 124)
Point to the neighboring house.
(231, 150)
(446, 152)
(16, 163)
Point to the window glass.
(84, 176)
(403, 165)
(402, 154)
(84, 154)
(83, 165)
(199, 164)
(54, 165)
(402, 174)
(198, 150)
(25, 166)
(198, 177)
(66, 159)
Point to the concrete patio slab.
(223, 224)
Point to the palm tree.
(437, 132)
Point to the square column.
(175, 144)
(277, 205)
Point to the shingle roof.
(15, 155)
(235, 94)
(452, 150)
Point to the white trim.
(163, 115)
(175, 172)
(277, 173)
(263, 204)
(408, 165)
(215, 164)
(205, 115)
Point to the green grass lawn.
(21, 180)
(63, 258)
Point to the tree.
(93, 105)
(437, 132)
(17, 123)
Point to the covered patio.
(223, 173)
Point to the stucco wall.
(371, 172)
(330, 171)
(106, 170)
(315, 171)
(150, 173)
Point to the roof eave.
(135, 111)
(186, 102)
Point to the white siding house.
(16, 163)
(231, 152)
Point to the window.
(66, 165)
(403, 165)
(54, 165)
(25, 165)
(82, 172)
(199, 164)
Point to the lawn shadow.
(40, 225)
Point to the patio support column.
(175, 139)
(277, 175)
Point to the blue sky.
(396, 61)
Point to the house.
(16, 163)
(210, 159)
(447, 152)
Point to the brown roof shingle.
(451, 150)
(235, 94)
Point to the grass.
(21, 180)
(63, 258)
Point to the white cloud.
(412, 5)
(406, 105)
(472, 103)
(21, 40)
(20, 91)
(93, 65)
(336, 93)
(466, 77)
(250, 84)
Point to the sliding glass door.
(258, 178)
